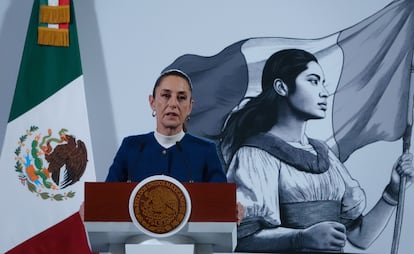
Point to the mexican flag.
(47, 151)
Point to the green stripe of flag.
(43, 2)
(44, 69)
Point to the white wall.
(126, 43)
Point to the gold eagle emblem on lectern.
(159, 206)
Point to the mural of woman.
(297, 195)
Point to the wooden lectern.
(211, 226)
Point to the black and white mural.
(287, 113)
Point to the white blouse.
(264, 182)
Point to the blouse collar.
(168, 141)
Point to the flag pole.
(403, 180)
(401, 196)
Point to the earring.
(154, 113)
(188, 118)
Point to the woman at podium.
(169, 150)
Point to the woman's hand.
(239, 212)
(402, 167)
(82, 211)
(327, 235)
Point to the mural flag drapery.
(367, 68)
(373, 95)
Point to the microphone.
(190, 173)
(141, 147)
(140, 150)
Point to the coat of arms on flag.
(47, 150)
(48, 163)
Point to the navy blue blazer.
(192, 159)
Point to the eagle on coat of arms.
(51, 163)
